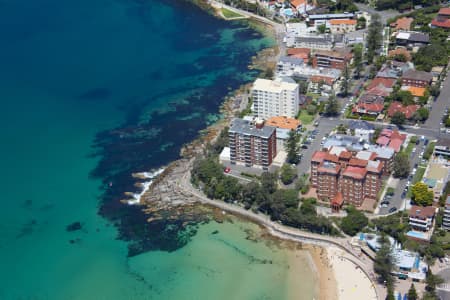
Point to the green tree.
(401, 165)
(269, 182)
(421, 114)
(398, 118)
(332, 106)
(322, 28)
(432, 281)
(287, 174)
(421, 195)
(390, 294)
(345, 85)
(357, 59)
(412, 294)
(292, 147)
(308, 206)
(374, 37)
(384, 262)
(361, 23)
(354, 221)
(430, 56)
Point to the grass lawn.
(444, 239)
(305, 117)
(409, 148)
(230, 14)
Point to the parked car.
(392, 209)
(227, 170)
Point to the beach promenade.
(293, 234)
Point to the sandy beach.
(352, 282)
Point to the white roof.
(364, 155)
(273, 86)
(404, 259)
(403, 35)
(337, 150)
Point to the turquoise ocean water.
(90, 92)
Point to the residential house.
(442, 148)
(342, 25)
(403, 23)
(417, 78)
(275, 98)
(301, 6)
(400, 51)
(362, 129)
(391, 138)
(411, 39)
(336, 59)
(442, 20)
(407, 110)
(369, 104)
(317, 20)
(320, 42)
(381, 83)
(421, 218)
(323, 85)
(302, 53)
(287, 64)
(252, 143)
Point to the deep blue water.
(92, 91)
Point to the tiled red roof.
(355, 172)
(379, 91)
(295, 51)
(396, 144)
(357, 162)
(369, 107)
(399, 51)
(345, 154)
(443, 23)
(422, 212)
(338, 199)
(445, 11)
(398, 107)
(397, 135)
(383, 141)
(318, 78)
(386, 82)
(318, 156)
(402, 23)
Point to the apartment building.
(421, 218)
(275, 98)
(252, 143)
(342, 25)
(336, 59)
(417, 78)
(339, 171)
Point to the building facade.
(331, 59)
(421, 218)
(275, 98)
(338, 171)
(252, 143)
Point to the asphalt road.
(439, 106)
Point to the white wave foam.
(145, 185)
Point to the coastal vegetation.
(354, 222)
(261, 195)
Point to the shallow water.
(92, 91)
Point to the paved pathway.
(281, 231)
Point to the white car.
(414, 150)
